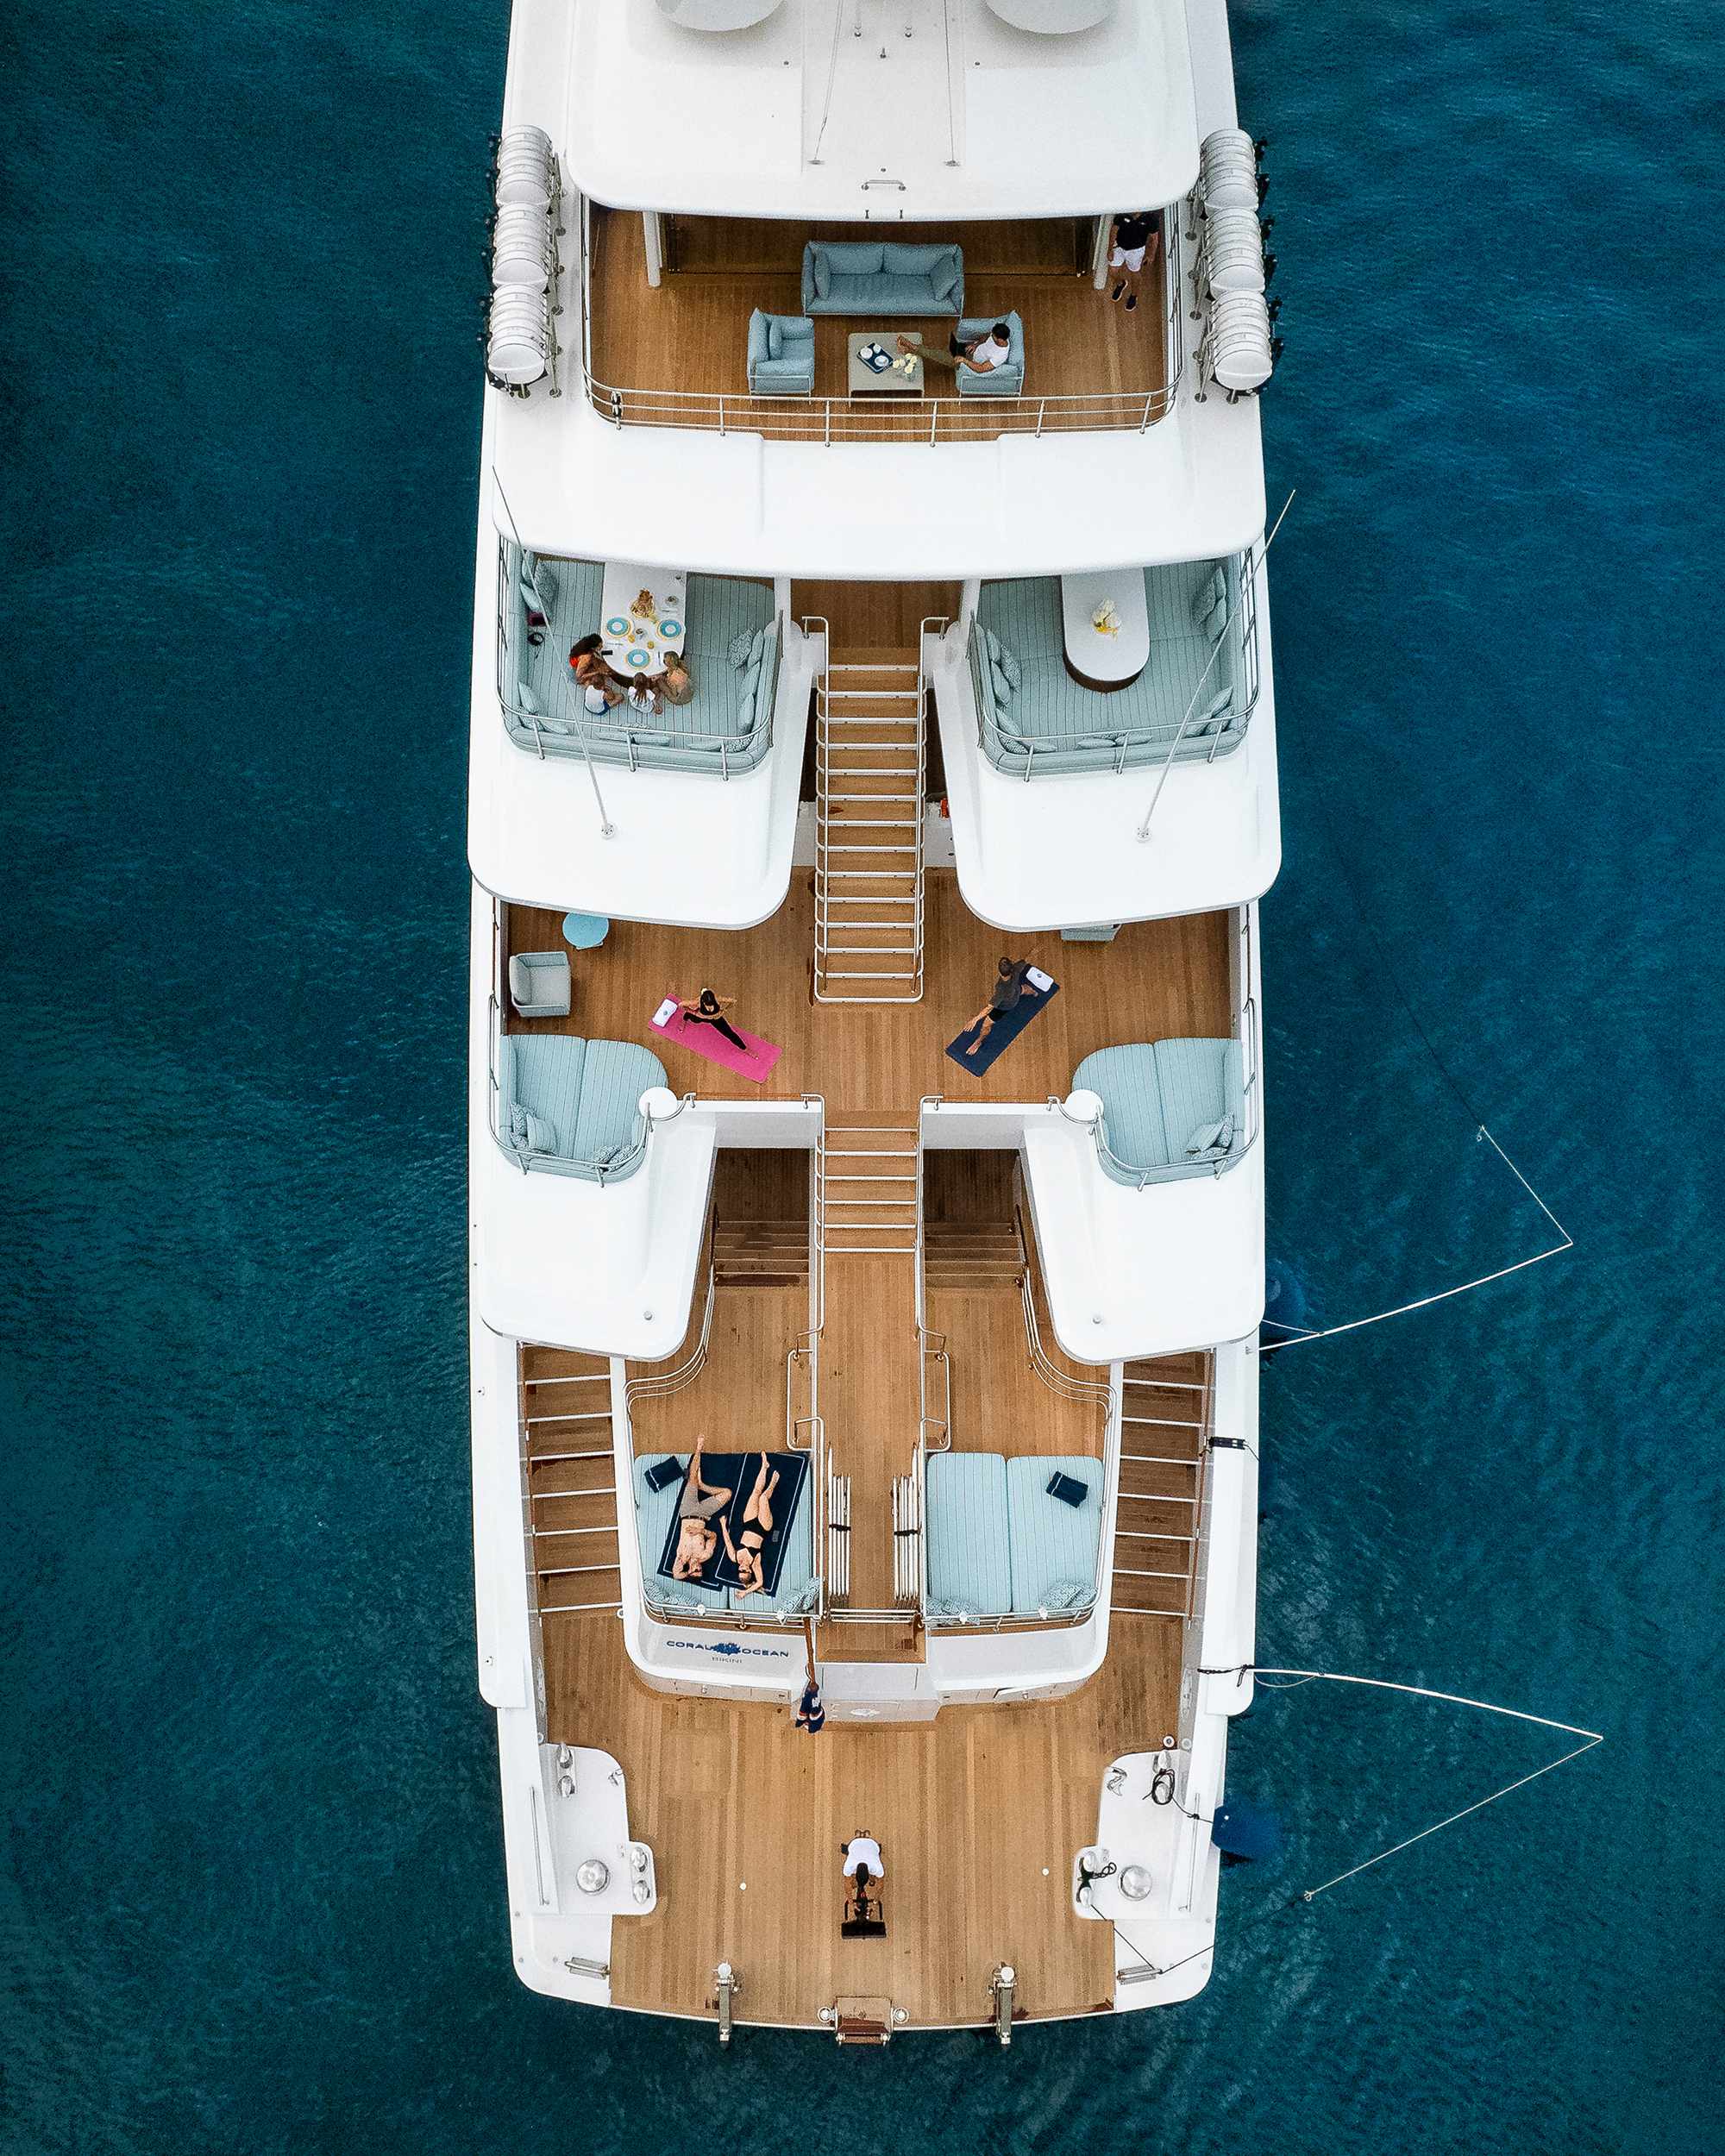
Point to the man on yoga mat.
(1011, 986)
(708, 1009)
(701, 1499)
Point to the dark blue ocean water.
(252, 1872)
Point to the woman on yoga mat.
(1008, 988)
(757, 1524)
(700, 1499)
(708, 1009)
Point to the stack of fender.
(524, 259)
(1237, 351)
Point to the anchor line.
(1309, 1894)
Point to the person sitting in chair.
(982, 355)
(696, 1541)
(751, 1538)
(1008, 990)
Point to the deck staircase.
(866, 1180)
(1164, 1433)
(761, 1253)
(971, 1254)
(571, 1477)
(869, 781)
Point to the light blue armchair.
(1005, 381)
(780, 355)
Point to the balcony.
(675, 354)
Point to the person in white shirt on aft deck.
(863, 1867)
(982, 355)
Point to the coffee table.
(1098, 658)
(634, 644)
(864, 382)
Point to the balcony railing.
(933, 420)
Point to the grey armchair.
(1007, 380)
(780, 355)
(539, 984)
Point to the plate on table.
(639, 659)
(670, 629)
(617, 626)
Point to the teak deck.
(745, 1814)
(691, 335)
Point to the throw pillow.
(745, 713)
(1219, 704)
(797, 329)
(1067, 1489)
(518, 1124)
(823, 274)
(542, 1134)
(663, 1474)
(775, 340)
(1204, 1137)
(1009, 665)
(991, 645)
(1069, 1594)
(739, 649)
(757, 645)
(946, 274)
(1003, 687)
(524, 700)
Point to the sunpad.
(1002, 1033)
(708, 1041)
(739, 1470)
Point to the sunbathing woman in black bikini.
(757, 1524)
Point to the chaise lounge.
(1171, 1109)
(1000, 1544)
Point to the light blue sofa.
(572, 1105)
(881, 277)
(999, 1545)
(1157, 1099)
(780, 355)
(1006, 380)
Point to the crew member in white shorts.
(1134, 239)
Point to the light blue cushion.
(899, 260)
(1008, 665)
(739, 647)
(1003, 687)
(542, 1134)
(1053, 1545)
(795, 329)
(823, 273)
(745, 713)
(518, 1124)
(1131, 1091)
(655, 1510)
(1200, 1083)
(776, 338)
(969, 1560)
(542, 1072)
(523, 699)
(944, 275)
(616, 1074)
(851, 258)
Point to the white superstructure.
(972, 1347)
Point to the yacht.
(873, 783)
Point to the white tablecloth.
(634, 642)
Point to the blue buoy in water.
(1243, 1831)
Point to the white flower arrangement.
(1105, 620)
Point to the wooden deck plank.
(968, 1808)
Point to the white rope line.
(1378, 1684)
(1453, 1699)
(832, 70)
(1423, 1302)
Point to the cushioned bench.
(573, 1105)
(881, 277)
(724, 731)
(1045, 723)
(655, 1509)
(1157, 1099)
(969, 1561)
(1053, 1544)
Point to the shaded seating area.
(573, 1106)
(1001, 1543)
(656, 1511)
(1034, 720)
(732, 641)
(1171, 1109)
(780, 355)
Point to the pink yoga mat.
(708, 1041)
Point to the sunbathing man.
(757, 1524)
(696, 1541)
(1011, 986)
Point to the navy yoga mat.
(1001, 1035)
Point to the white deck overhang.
(1132, 1274)
(964, 117)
